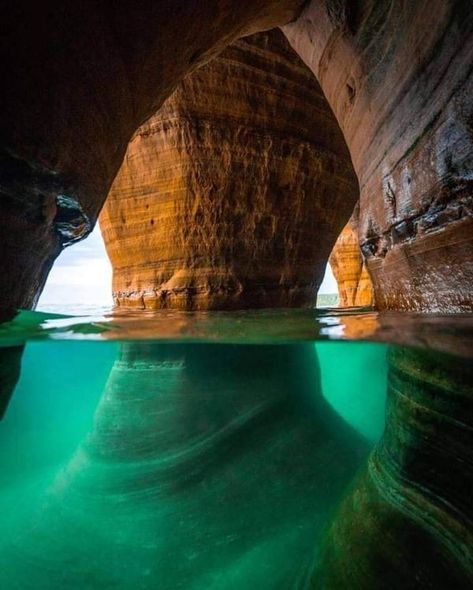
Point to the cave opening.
(80, 281)
(270, 444)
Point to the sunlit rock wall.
(398, 76)
(349, 268)
(232, 195)
(78, 79)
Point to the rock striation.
(182, 481)
(414, 491)
(349, 268)
(398, 76)
(233, 193)
(77, 81)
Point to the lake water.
(263, 450)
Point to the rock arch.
(233, 193)
(79, 80)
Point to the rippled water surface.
(255, 450)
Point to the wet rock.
(202, 469)
(10, 367)
(410, 509)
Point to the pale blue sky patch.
(82, 276)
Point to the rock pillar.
(233, 193)
(349, 268)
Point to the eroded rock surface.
(206, 467)
(349, 268)
(398, 76)
(232, 195)
(78, 79)
(410, 508)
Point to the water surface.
(264, 450)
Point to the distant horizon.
(82, 274)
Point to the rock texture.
(78, 79)
(398, 76)
(202, 470)
(410, 509)
(233, 193)
(349, 268)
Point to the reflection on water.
(143, 465)
(451, 333)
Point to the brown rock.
(349, 268)
(78, 79)
(232, 195)
(409, 509)
(398, 77)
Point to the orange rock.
(232, 195)
(77, 82)
(398, 76)
(349, 268)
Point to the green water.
(214, 464)
(180, 466)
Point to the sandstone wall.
(233, 193)
(349, 268)
(78, 79)
(398, 77)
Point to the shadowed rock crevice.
(10, 367)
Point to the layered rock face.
(77, 81)
(415, 489)
(202, 470)
(349, 268)
(232, 195)
(398, 77)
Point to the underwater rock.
(349, 268)
(206, 467)
(399, 79)
(233, 193)
(10, 368)
(408, 517)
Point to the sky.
(82, 275)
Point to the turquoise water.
(204, 462)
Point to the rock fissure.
(436, 218)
